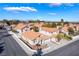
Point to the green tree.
(66, 23)
(54, 25)
(50, 25)
(36, 29)
(67, 37)
(6, 21)
(59, 24)
(70, 31)
(62, 22)
(46, 25)
(63, 36)
(38, 21)
(59, 37)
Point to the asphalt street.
(68, 50)
(8, 46)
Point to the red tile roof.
(20, 26)
(49, 29)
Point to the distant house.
(38, 24)
(48, 31)
(34, 37)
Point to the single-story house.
(34, 37)
(48, 31)
(21, 27)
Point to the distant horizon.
(39, 20)
(42, 11)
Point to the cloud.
(59, 4)
(52, 13)
(27, 9)
(55, 4)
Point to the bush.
(59, 36)
(63, 36)
(67, 37)
(36, 29)
(14, 31)
(71, 31)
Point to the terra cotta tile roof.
(65, 28)
(34, 35)
(49, 29)
(20, 26)
(30, 35)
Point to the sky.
(41, 11)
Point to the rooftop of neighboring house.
(34, 35)
(20, 26)
(65, 28)
(77, 26)
(49, 29)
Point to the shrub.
(67, 37)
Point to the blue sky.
(42, 11)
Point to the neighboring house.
(36, 26)
(34, 37)
(21, 27)
(48, 31)
(65, 29)
(77, 27)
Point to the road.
(68, 50)
(8, 46)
